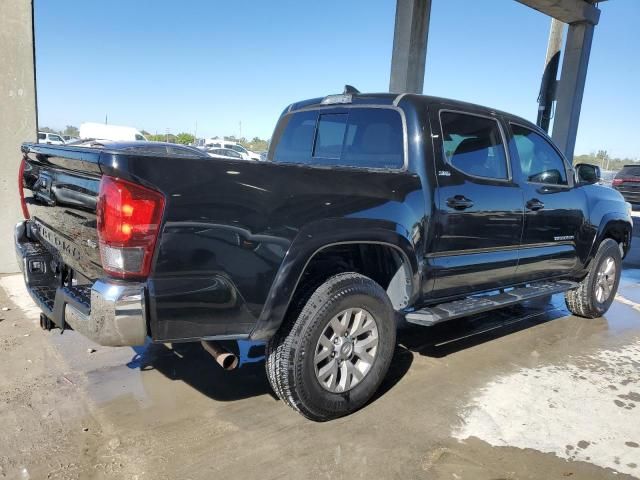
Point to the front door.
(479, 216)
(553, 206)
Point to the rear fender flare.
(308, 243)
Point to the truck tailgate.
(60, 187)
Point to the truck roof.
(395, 98)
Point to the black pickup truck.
(369, 208)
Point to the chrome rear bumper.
(109, 312)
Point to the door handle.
(459, 202)
(535, 204)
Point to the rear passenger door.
(479, 218)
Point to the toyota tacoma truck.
(370, 208)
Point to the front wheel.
(598, 289)
(330, 359)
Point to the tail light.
(620, 181)
(129, 217)
(23, 203)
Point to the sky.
(230, 67)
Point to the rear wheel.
(598, 289)
(329, 359)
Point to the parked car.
(369, 208)
(627, 182)
(210, 143)
(102, 131)
(224, 153)
(50, 138)
(606, 177)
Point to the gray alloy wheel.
(597, 290)
(333, 351)
(605, 280)
(346, 350)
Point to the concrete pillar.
(548, 85)
(18, 120)
(571, 86)
(410, 46)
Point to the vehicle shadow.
(449, 337)
(191, 364)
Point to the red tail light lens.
(129, 217)
(616, 181)
(23, 203)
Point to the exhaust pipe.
(224, 357)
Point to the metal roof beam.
(567, 11)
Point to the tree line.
(602, 159)
(256, 144)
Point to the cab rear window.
(350, 137)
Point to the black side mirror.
(587, 173)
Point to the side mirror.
(587, 174)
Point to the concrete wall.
(17, 114)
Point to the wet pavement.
(524, 392)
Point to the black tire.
(582, 301)
(290, 353)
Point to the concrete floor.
(527, 392)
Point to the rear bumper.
(109, 312)
(631, 195)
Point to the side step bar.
(473, 305)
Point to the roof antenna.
(350, 89)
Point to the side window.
(139, 137)
(148, 149)
(474, 145)
(539, 161)
(183, 152)
(42, 136)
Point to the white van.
(101, 131)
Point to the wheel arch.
(310, 246)
(616, 226)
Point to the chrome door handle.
(459, 202)
(535, 204)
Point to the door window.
(539, 161)
(474, 145)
